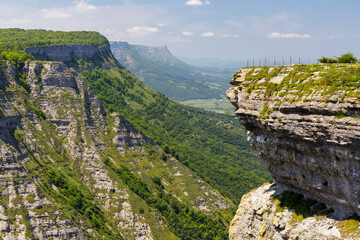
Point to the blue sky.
(224, 29)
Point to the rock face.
(66, 53)
(258, 218)
(308, 138)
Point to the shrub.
(19, 135)
(38, 113)
(106, 160)
(163, 157)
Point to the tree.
(326, 60)
(347, 58)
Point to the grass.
(349, 228)
(302, 78)
(212, 105)
(305, 82)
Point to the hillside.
(163, 72)
(94, 149)
(303, 120)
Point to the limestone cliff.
(304, 123)
(70, 54)
(61, 152)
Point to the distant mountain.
(163, 72)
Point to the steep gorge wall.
(308, 138)
(59, 124)
(66, 53)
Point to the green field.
(222, 106)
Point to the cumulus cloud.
(208, 34)
(142, 29)
(82, 6)
(77, 7)
(197, 2)
(185, 33)
(287, 35)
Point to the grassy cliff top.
(16, 39)
(302, 80)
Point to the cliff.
(160, 54)
(73, 167)
(70, 54)
(54, 138)
(304, 123)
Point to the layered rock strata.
(309, 143)
(305, 126)
(66, 53)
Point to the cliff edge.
(304, 123)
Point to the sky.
(217, 29)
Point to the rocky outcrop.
(306, 134)
(259, 217)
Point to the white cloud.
(55, 13)
(208, 34)
(185, 33)
(77, 7)
(207, 2)
(287, 35)
(194, 3)
(82, 6)
(161, 25)
(236, 36)
(142, 29)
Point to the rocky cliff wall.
(66, 53)
(304, 123)
(59, 125)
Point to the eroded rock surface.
(258, 217)
(304, 143)
(308, 138)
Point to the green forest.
(212, 145)
(16, 39)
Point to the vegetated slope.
(161, 71)
(73, 170)
(185, 133)
(212, 145)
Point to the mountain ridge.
(163, 72)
